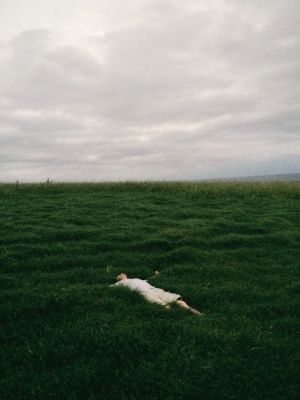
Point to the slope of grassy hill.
(230, 249)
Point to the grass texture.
(230, 249)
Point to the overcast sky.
(148, 89)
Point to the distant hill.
(266, 178)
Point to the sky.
(97, 90)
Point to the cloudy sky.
(148, 89)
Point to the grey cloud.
(191, 90)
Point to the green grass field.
(230, 249)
